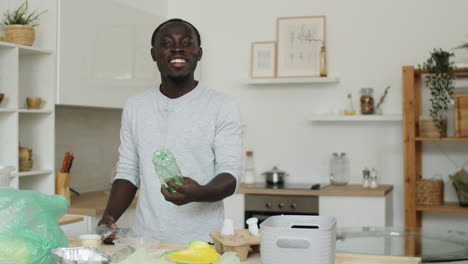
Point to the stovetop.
(295, 186)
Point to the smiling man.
(199, 125)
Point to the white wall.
(93, 136)
(367, 43)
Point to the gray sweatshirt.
(203, 131)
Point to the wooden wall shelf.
(442, 139)
(447, 207)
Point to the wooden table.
(254, 258)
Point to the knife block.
(62, 185)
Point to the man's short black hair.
(153, 38)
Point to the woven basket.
(430, 192)
(427, 128)
(19, 34)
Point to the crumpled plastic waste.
(105, 231)
(29, 227)
(140, 256)
(166, 168)
(229, 258)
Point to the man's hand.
(191, 191)
(109, 221)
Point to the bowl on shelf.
(25, 165)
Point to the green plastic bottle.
(166, 167)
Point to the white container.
(298, 239)
(90, 241)
(5, 175)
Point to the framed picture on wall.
(299, 42)
(263, 59)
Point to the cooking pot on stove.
(275, 176)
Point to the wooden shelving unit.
(413, 146)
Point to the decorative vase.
(19, 34)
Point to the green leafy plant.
(462, 46)
(21, 16)
(439, 80)
(460, 185)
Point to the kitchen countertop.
(91, 204)
(94, 203)
(69, 219)
(330, 190)
(341, 258)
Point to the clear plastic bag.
(29, 226)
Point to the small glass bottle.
(249, 168)
(367, 101)
(373, 179)
(339, 169)
(365, 178)
(323, 62)
(349, 110)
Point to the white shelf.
(32, 173)
(357, 118)
(7, 110)
(34, 111)
(293, 80)
(25, 50)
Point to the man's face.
(176, 50)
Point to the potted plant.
(19, 25)
(460, 182)
(439, 80)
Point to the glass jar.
(339, 169)
(249, 168)
(367, 101)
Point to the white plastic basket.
(298, 239)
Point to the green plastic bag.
(29, 226)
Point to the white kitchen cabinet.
(104, 51)
(234, 209)
(30, 72)
(358, 211)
